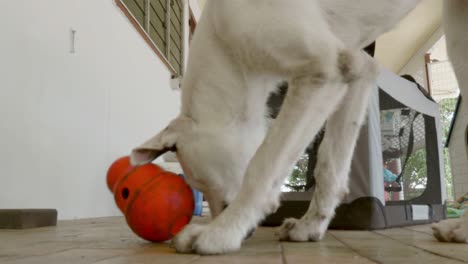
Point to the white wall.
(458, 155)
(65, 117)
(201, 3)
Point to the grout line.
(136, 254)
(195, 258)
(283, 256)
(423, 249)
(418, 231)
(37, 255)
(191, 260)
(354, 250)
(107, 258)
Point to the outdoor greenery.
(415, 176)
(447, 109)
(297, 180)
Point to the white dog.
(224, 141)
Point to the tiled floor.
(109, 240)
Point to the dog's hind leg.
(455, 21)
(334, 159)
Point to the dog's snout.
(225, 205)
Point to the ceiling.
(201, 3)
(398, 46)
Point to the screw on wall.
(72, 40)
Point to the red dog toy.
(156, 203)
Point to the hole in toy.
(125, 193)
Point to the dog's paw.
(183, 242)
(451, 231)
(217, 241)
(206, 240)
(300, 231)
(461, 234)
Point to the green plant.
(447, 109)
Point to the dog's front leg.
(334, 159)
(311, 98)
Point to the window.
(162, 21)
(408, 140)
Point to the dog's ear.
(164, 141)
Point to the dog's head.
(212, 161)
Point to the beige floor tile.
(72, 256)
(260, 258)
(163, 255)
(109, 240)
(427, 242)
(12, 250)
(420, 228)
(329, 250)
(385, 250)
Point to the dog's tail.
(164, 141)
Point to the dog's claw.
(299, 230)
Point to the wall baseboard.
(27, 218)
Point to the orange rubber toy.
(156, 203)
